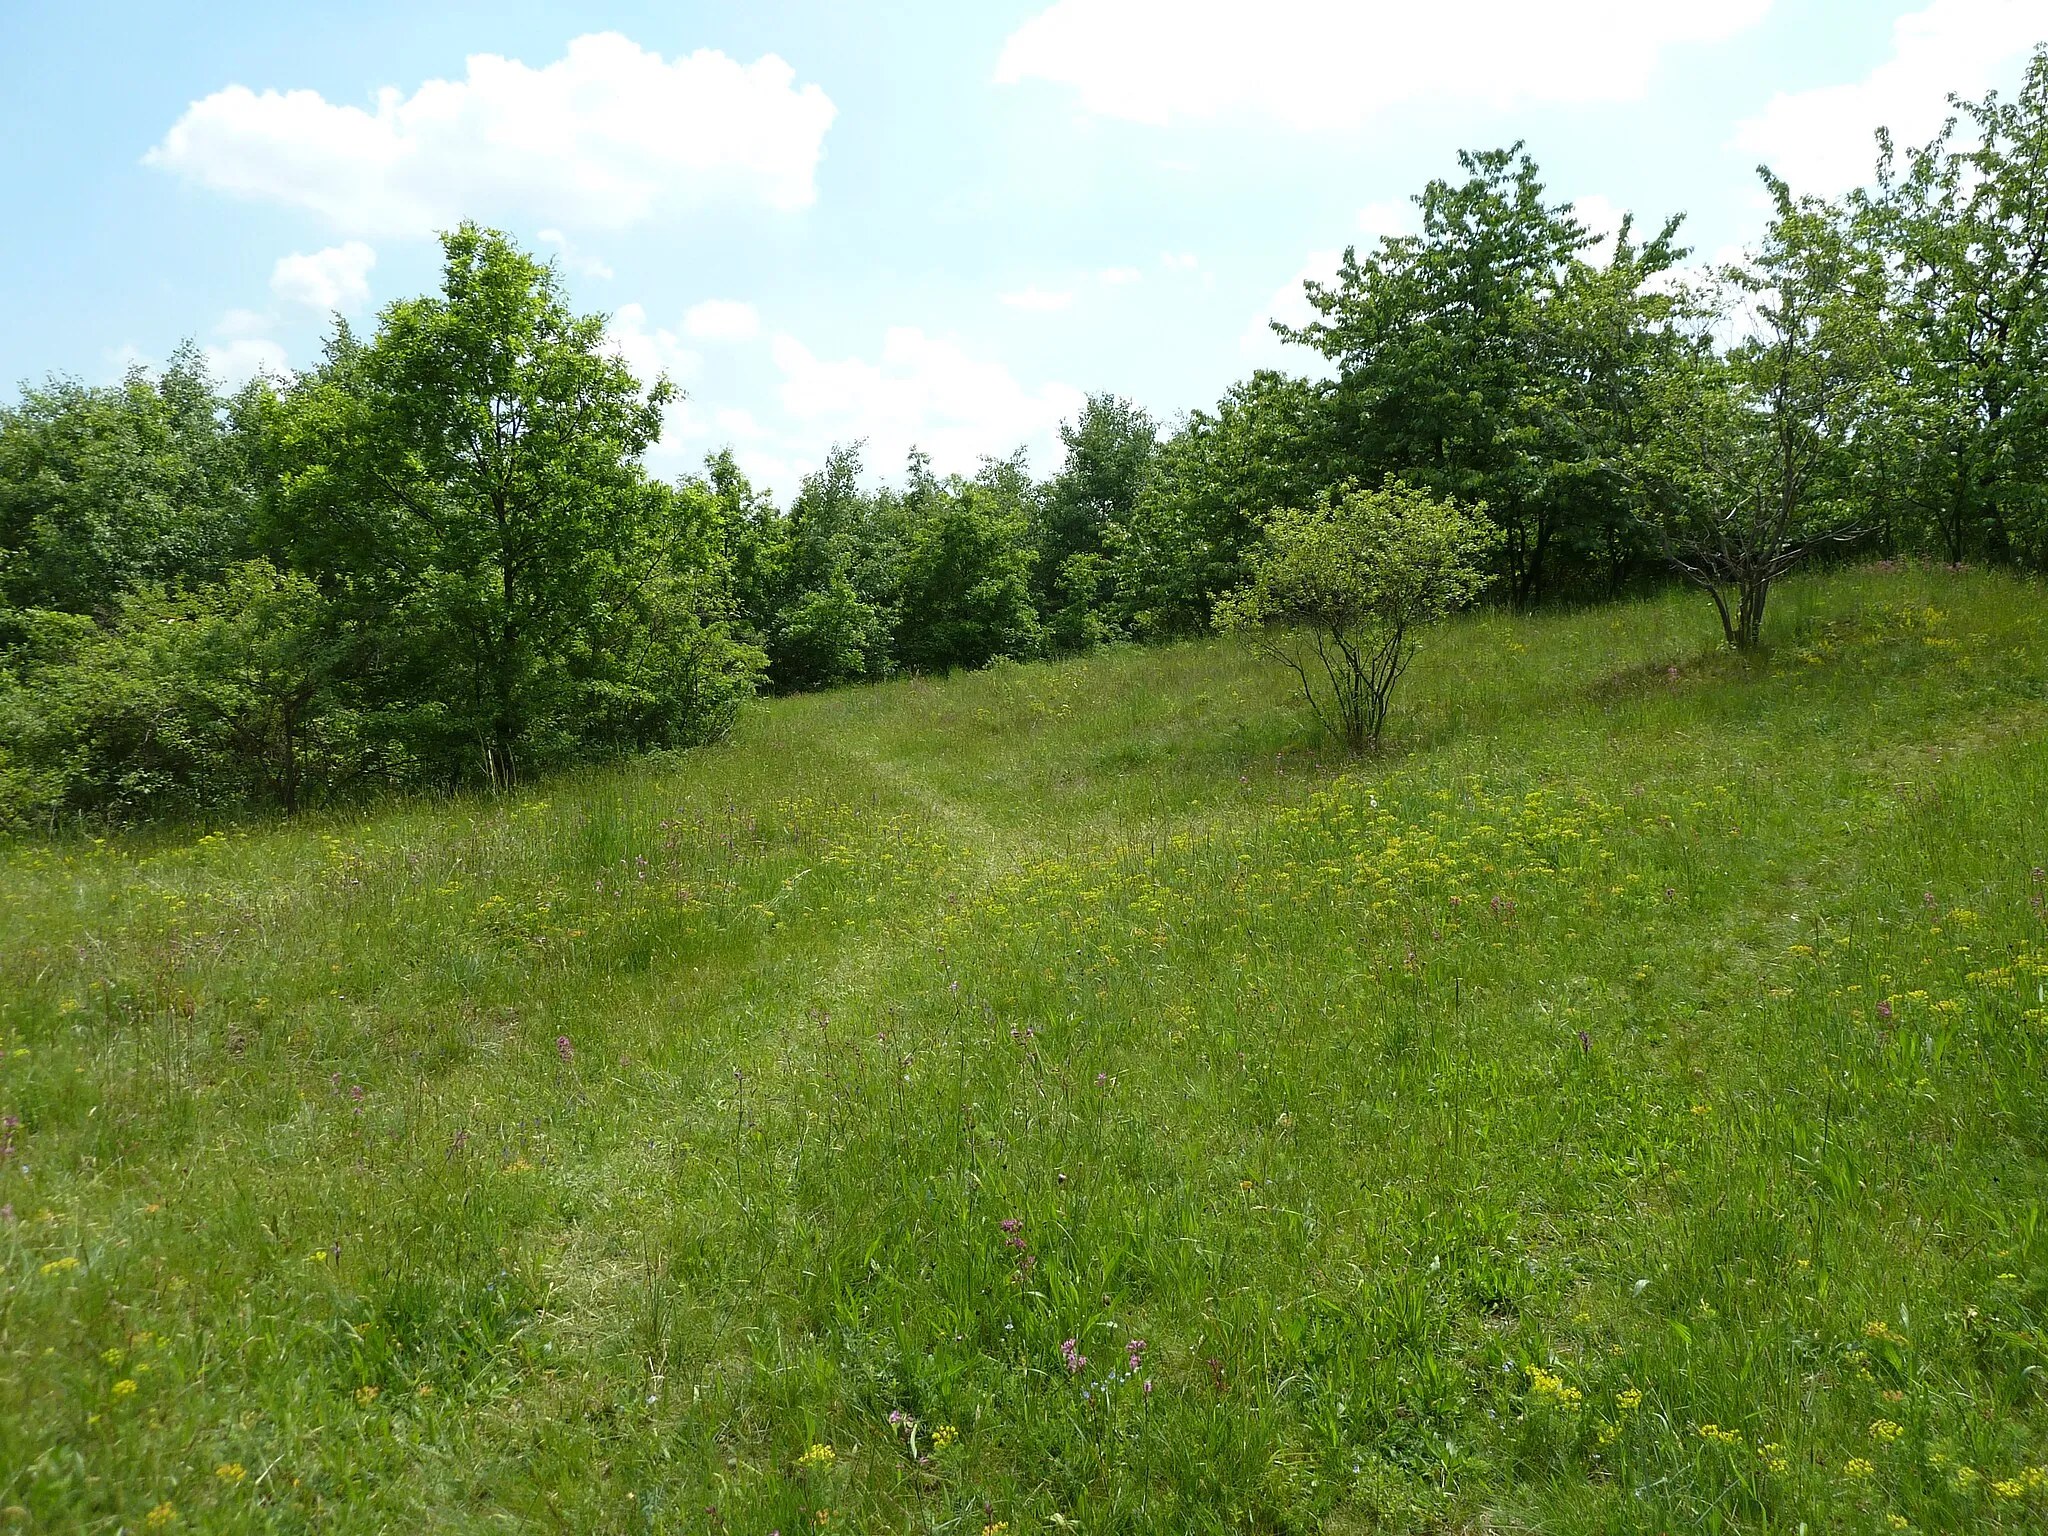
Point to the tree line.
(437, 557)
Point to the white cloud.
(1821, 140)
(244, 322)
(243, 358)
(1323, 64)
(737, 422)
(605, 137)
(1289, 305)
(336, 278)
(1039, 299)
(924, 392)
(1376, 220)
(648, 352)
(722, 320)
(1179, 261)
(571, 256)
(1119, 277)
(126, 358)
(1603, 221)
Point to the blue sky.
(913, 223)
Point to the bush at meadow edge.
(1059, 1097)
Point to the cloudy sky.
(912, 223)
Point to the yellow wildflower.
(817, 1456)
(367, 1394)
(944, 1436)
(123, 1387)
(1543, 1384)
(160, 1517)
(1856, 1466)
(1629, 1399)
(58, 1266)
(230, 1472)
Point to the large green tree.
(470, 477)
(1110, 447)
(1487, 359)
(1204, 499)
(1752, 465)
(1962, 227)
(964, 577)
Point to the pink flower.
(563, 1048)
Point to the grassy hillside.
(1064, 1098)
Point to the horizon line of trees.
(437, 557)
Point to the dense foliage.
(437, 556)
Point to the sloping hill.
(1067, 1098)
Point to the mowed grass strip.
(1071, 1097)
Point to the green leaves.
(101, 487)
(1339, 588)
(1487, 359)
(1750, 464)
(965, 584)
(470, 478)
(186, 700)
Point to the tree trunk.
(1750, 620)
(1721, 609)
(291, 763)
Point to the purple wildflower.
(563, 1048)
(1070, 1352)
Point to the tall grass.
(1071, 1097)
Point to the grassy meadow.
(1069, 1098)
